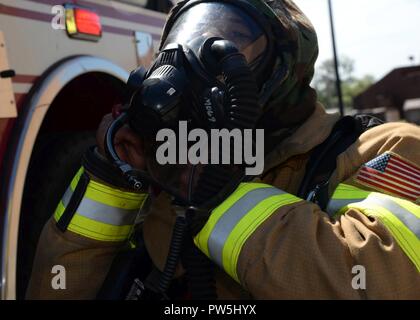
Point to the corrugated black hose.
(173, 255)
(243, 113)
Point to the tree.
(325, 83)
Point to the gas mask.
(208, 75)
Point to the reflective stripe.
(401, 217)
(104, 213)
(404, 225)
(407, 217)
(345, 191)
(100, 212)
(230, 219)
(94, 229)
(344, 195)
(234, 221)
(247, 226)
(337, 206)
(242, 190)
(108, 195)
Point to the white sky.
(379, 35)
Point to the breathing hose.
(200, 272)
(173, 255)
(242, 89)
(126, 170)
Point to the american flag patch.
(393, 175)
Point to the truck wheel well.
(67, 130)
(81, 104)
(54, 82)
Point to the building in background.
(395, 97)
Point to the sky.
(379, 35)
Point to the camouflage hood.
(291, 100)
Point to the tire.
(55, 160)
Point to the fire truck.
(63, 65)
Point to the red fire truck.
(62, 66)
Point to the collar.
(313, 132)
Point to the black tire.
(55, 160)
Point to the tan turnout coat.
(298, 253)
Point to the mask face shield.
(205, 76)
(204, 20)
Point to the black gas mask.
(207, 75)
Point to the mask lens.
(214, 19)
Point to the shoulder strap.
(323, 161)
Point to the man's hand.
(128, 145)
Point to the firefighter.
(335, 215)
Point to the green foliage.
(324, 83)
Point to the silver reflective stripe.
(101, 212)
(335, 205)
(405, 216)
(232, 216)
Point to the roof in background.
(392, 90)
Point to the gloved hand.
(128, 144)
(203, 188)
(100, 183)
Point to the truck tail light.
(83, 23)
